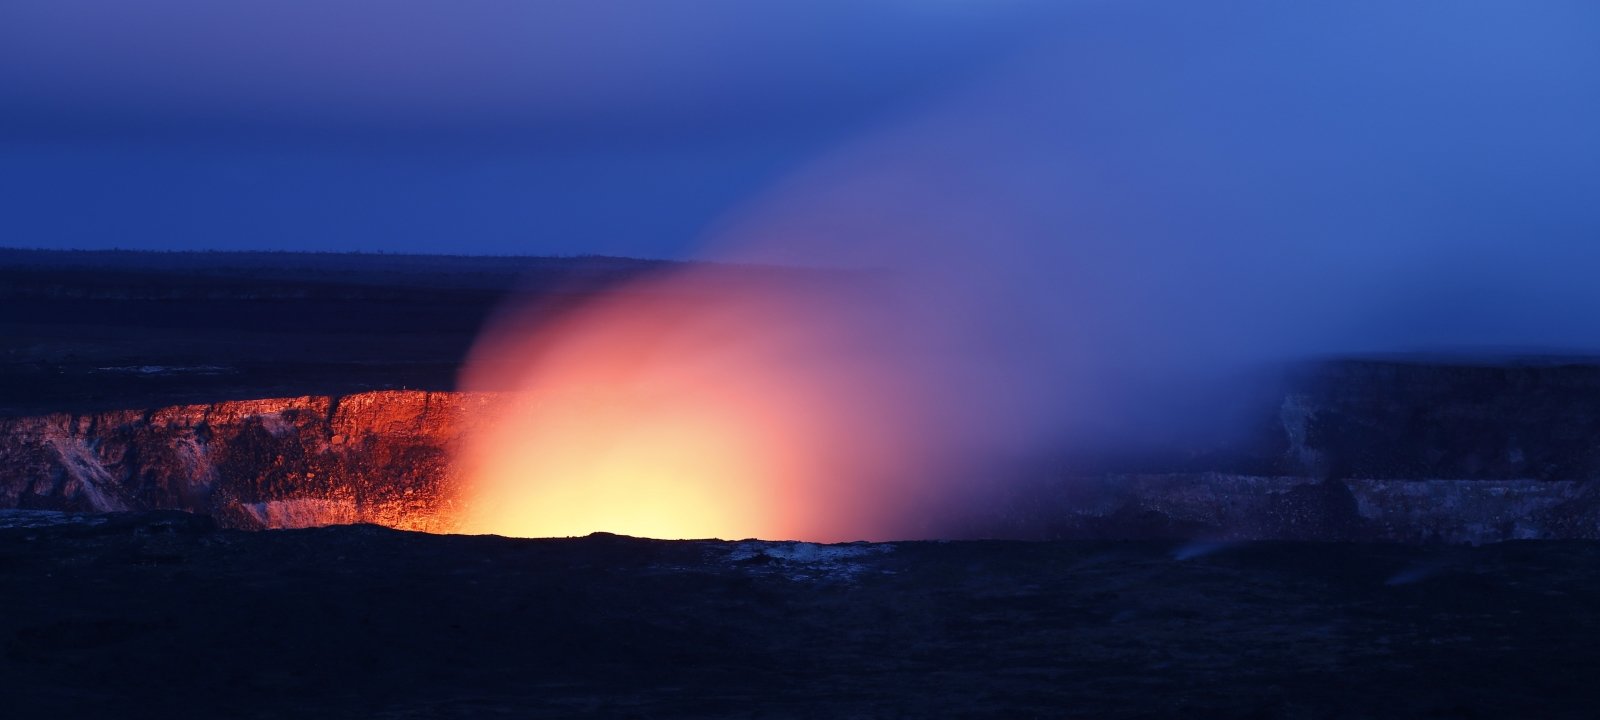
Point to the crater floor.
(163, 615)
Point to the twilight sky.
(481, 126)
(653, 127)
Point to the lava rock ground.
(163, 615)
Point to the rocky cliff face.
(380, 457)
(1356, 451)
(1529, 418)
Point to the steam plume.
(1090, 228)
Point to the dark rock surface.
(163, 616)
(1448, 418)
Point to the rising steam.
(707, 401)
(1113, 220)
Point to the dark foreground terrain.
(165, 616)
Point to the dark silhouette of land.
(162, 616)
(101, 330)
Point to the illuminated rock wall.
(378, 457)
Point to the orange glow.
(571, 464)
(703, 404)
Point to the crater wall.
(1370, 450)
(379, 457)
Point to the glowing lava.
(702, 404)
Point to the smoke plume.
(1061, 251)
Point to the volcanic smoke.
(706, 402)
(1073, 247)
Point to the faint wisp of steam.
(1414, 574)
(1199, 549)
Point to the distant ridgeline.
(95, 268)
(85, 331)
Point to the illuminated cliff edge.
(380, 457)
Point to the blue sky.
(480, 126)
(647, 127)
